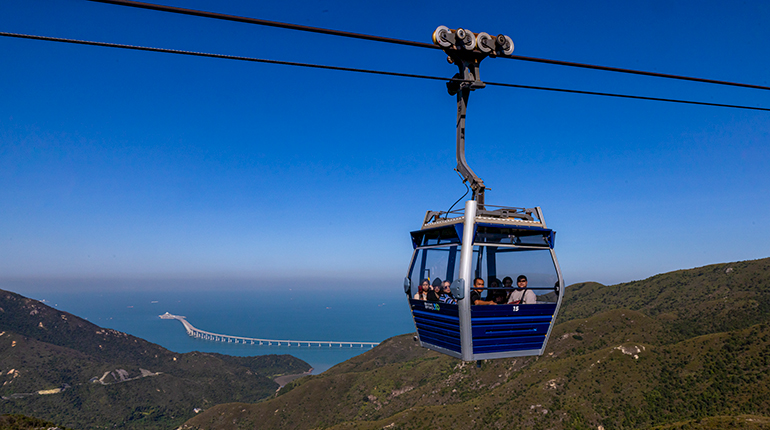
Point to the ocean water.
(370, 316)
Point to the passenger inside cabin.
(521, 295)
(446, 294)
(422, 290)
(478, 287)
(495, 294)
(434, 290)
(508, 285)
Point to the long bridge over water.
(201, 334)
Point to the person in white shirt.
(521, 295)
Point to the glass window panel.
(491, 262)
(436, 236)
(512, 236)
(432, 263)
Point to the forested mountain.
(683, 350)
(61, 368)
(21, 422)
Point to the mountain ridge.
(643, 354)
(62, 368)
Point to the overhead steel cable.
(265, 22)
(212, 55)
(257, 21)
(358, 70)
(625, 96)
(634, 72)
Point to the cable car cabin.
(492, 244)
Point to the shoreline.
(285, 379)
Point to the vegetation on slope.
(688, 349)
(22, 422)
(710, 299)
(56, 366)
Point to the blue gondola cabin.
(490, 244)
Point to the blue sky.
(117, 164)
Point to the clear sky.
(123, 164)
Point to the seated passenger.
(508, 285)
(422, 290)
(434, 291)
(478, 287)
(446, 294)
(521, 295)
(495, 294)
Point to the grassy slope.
(21, 422)
(746, 422)
(709, 299)
(42, 348)
(688, 348)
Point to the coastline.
(285, 379)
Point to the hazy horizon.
(222, 284)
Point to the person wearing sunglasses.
(522, 295)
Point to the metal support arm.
(462, 84)
(476, 183)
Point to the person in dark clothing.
(478, 287)
(495, 294)
(434, 292)
(508, 285)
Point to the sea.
(364, 315)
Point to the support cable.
(625, 96)
(358, 70)
(319, 30)
(467, 190)
(257, 21)
(212, 55)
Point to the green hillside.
(21, 422)
(58, 367)
(683, 350)
(693, 302)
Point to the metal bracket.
(466, 50)
(458, 289)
